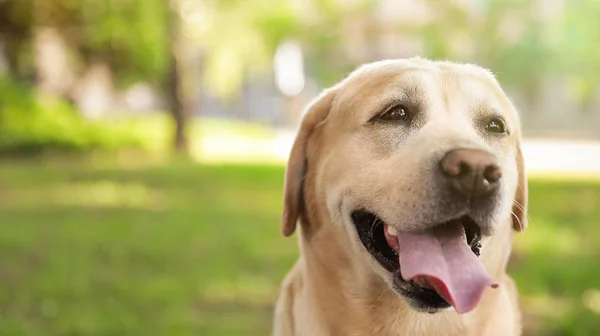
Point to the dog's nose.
(471, 172)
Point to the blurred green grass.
(108, 247)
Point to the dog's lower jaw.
(323, 296)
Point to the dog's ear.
(295, 171)
(519, 208)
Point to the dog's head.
(416, 166)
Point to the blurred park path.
(562, 156)
(543, 155)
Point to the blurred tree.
(180, 92)
(226, 42)
(526, 44)
(338, 36)
(509, 39)
(16, 22)
(239, 38)
(94, 29)
(447, 31)
(579, 56)
(131, 37)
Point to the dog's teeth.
(392, 231)
(423, 282)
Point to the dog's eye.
(397, 113)
(496, 125)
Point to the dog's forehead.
(389, 68)
(466, 84)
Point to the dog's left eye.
(396, 113)
(496, 125)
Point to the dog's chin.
(370, 230)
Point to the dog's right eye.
(496, 125)
(396, 113)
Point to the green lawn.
(92, 248)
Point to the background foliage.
(101, 233)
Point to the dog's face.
(404, 154)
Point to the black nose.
(471, 172)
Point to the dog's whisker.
(518, 220)
(303, 178)
(523, 209)
(382, 293)
(376, 221)
(519, 205)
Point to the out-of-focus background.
(142, 145)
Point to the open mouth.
(430, 280)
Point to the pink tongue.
(444, 258)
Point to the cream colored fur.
(340, 161)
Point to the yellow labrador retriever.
(407, 180)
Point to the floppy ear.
(519, 209)
(314, 114)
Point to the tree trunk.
(180, 107)
(177, 109)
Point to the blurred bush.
(30, 123)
